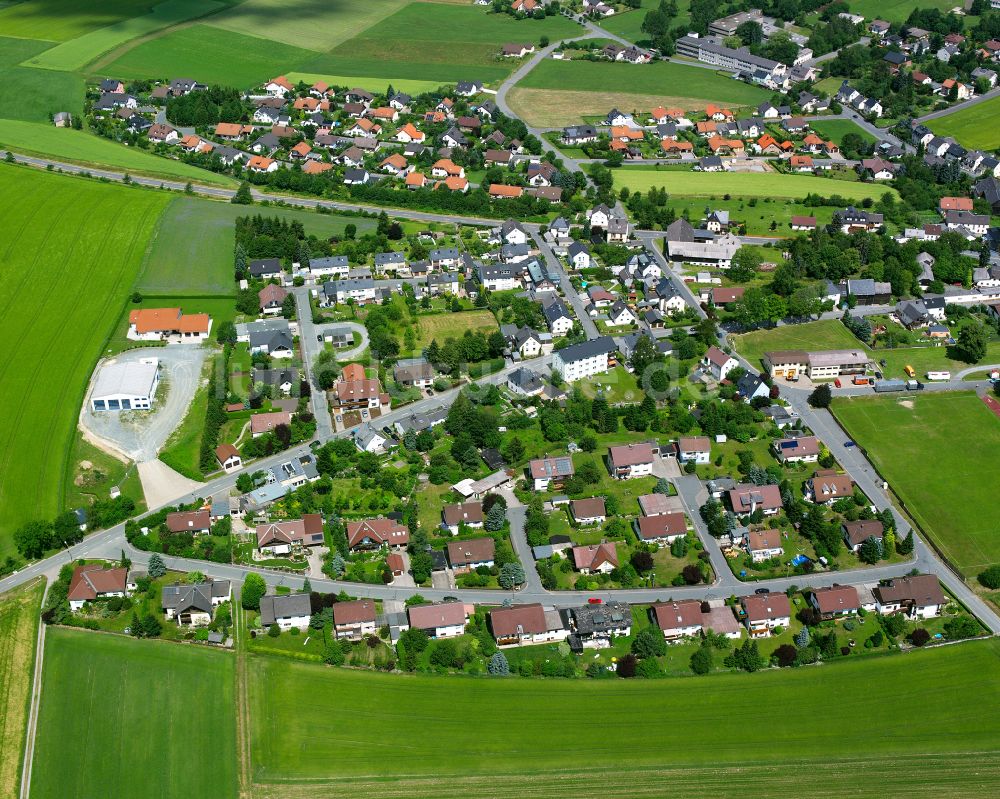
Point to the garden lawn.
(213, 54)
(75, 146)
(828, 334)
(449, 325)
(757, 217)
(820, 738)
(745, 184)
(192, 250)
(974, 127)
(49, 92)
(62, 20)
(134, 714)
(937, 450)
(77, 53)
(71, 251)
(19, 611)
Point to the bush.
(649, 643)
(990, 578)
(273, 631)
(626, 666)
(701, 660)
(786, 655)
(919, 637)
(961, 627)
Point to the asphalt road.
(979, 98)
(571, 294)
(310, 349)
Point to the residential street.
(571, 295)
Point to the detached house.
(918, 596)
(719, 363)
(856, 533)
(827, 486)
(468, 513)
(681, 619)
(439, 620)
(745, 499)
(287, 611)
(193, 605)
(467, 556)
(835, 601)
(630, 460)
(354, 620)
(376, 534)
(662, 529)
(763, 612)
(586, 512)
(596, 558)
(763, 545)
(546, 472)
(693, 448)
(94, 581)
(526, 624)
(802, 449)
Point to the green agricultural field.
(62, 20)
(79, 147)
(71, 253)
(77, 53)
(660, 78)
(930, 447)
(629, 24)
(836, 129)
(192, 249)
(975, 126)
(744, 184)
(49, 92)
(437, 42)
(134, 714)
(824, 735)
(315, 25)
(213, 54)
(18, 633)
(829, 334)
(449, 325)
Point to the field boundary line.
(28, 755)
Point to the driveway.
(139, 435)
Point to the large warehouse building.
(127, 386)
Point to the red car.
(595, 601)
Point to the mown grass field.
(744, 184)
(19, 611)
(937, 451)
(70, 254)
(438, 42)
(828, 334)
(660, 78)
(836, 129)
(449, 325)
(974, 127)
(629, 24)
(148, 718)
(826, 735)
(896, 10)
(80, 147)
(77, 53)
(62, 20)
(312, 24)
(49, 91)
(192, 248)
(369, 81)
(213, 54)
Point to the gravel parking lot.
(140, 434)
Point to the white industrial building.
(126, 386)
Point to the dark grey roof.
(283, 606)
(587, 349)
(265, 266)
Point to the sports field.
(149, 718)
(18, 633)
(828, 334)
(448, 736)
(938, 452)
(975, 126)
(192, 249)
(77, 53)
(71, 251)
(448, 325)
(744, 184)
